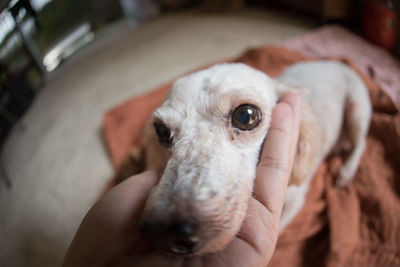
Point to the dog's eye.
(246, 117)
(163, 133)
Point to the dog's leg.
(357, 117)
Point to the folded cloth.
(336, 41)
(358, 225)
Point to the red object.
(380, 23)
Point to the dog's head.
(212, 124)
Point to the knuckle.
(281, 130)
(273, 163)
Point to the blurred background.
(64, 63)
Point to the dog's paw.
(344, 177)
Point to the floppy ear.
(310, 139)
(308, 147)
(133, 163)
(146, 154)
(155, 155)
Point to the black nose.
(178, 237)
(184, 237)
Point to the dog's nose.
(178, 237)
(183, 237)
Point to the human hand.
(108, 235)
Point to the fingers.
(121, 207)
(114, 216)
(278, 153)
(128, 197)
(260, 228)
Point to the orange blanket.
(358, 225)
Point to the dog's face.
(212, 124)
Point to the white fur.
(211, 166)
(197, 117)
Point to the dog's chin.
(213, 245)
(219, 241)
(216, 245)
(186, 228)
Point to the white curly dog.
(208, 134)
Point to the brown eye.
(163, 133)
(246, 117)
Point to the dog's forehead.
(218, 88)
(220, 79)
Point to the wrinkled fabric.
(358, 225)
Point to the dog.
(208, 134)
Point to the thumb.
(277, 156)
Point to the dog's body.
(211, 128)
(340, 107)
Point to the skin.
(108, 235)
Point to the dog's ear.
(133, 163)
(310, 139)
(308, 147)
(145, 155)
(156, 156)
